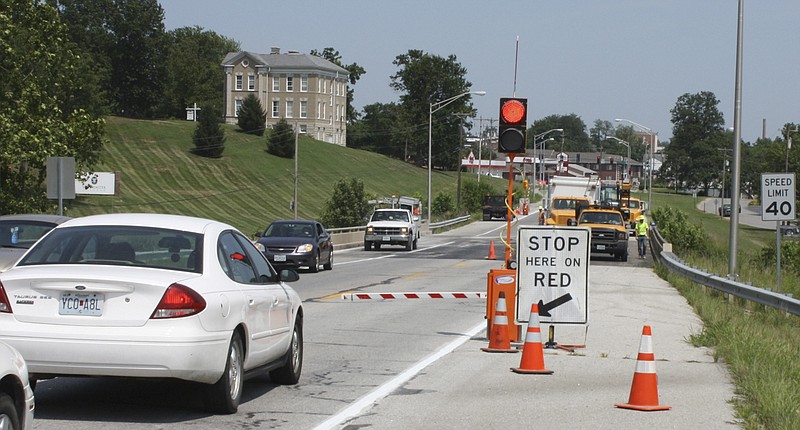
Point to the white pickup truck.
(390, 227)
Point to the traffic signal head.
(513, 123)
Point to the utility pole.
(789, 132)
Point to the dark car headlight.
(306, 247)
(622, 235)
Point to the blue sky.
(597, 59)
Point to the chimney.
(275, 50)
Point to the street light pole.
(653, 139)
(537, 137)
(438, 105)
(789, 132)
(628, 160)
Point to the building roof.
(291, 60)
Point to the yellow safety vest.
(641, 228)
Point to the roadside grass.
(760, 346)
(247, 187)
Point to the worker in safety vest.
(642, 230)
(541, 215)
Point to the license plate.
(601, 247)
(280, 258)
(386, 238)
(81, 304)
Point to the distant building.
(581, 164)
(308, 91)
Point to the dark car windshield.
(120, 245)
(289, 229)
(22, 234)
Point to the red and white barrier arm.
(401, 296)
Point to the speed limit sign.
(778, 197)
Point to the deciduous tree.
(348, 205)
(194, 74)
(695, 153)
(38, 119)
(424, 79)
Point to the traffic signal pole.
(509, 209)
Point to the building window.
(289, 109)
(303, 128)
(239, 82)
(324, 86)
(303, 109)
(238, 107)
(289, 83)
(319, 84)
(276, 109)
(276, 84)
(303, 84)
(319, 110)
(251, 82)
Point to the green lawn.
(247, 187)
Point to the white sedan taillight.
(5, 305)
(179, 301)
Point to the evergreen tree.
(281, 141)
(209, 136)
(252, 116)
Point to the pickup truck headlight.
(304, 248)
(622, 235)
(404, 230)
(370, 229)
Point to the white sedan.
(16, 395)
(153, 296)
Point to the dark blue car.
(297, 243)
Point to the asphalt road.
(417, 363)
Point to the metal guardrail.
(449, 222)
(663, 252)
(354, 236)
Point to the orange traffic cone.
(532, 361)
(491, 255)
(644, 390)
(499, 341)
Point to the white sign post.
(778, 204)
(553, 271)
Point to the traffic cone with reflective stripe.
(499, 341)
(532, 361)
(644, 389)
(491, 255)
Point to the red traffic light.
(512, 124)
(513, 111)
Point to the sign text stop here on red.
(546, 245)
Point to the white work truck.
(390, 227)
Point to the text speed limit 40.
(778, 196)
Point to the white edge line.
(384, 390)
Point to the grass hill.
(247, 187)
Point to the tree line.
(68, 63)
